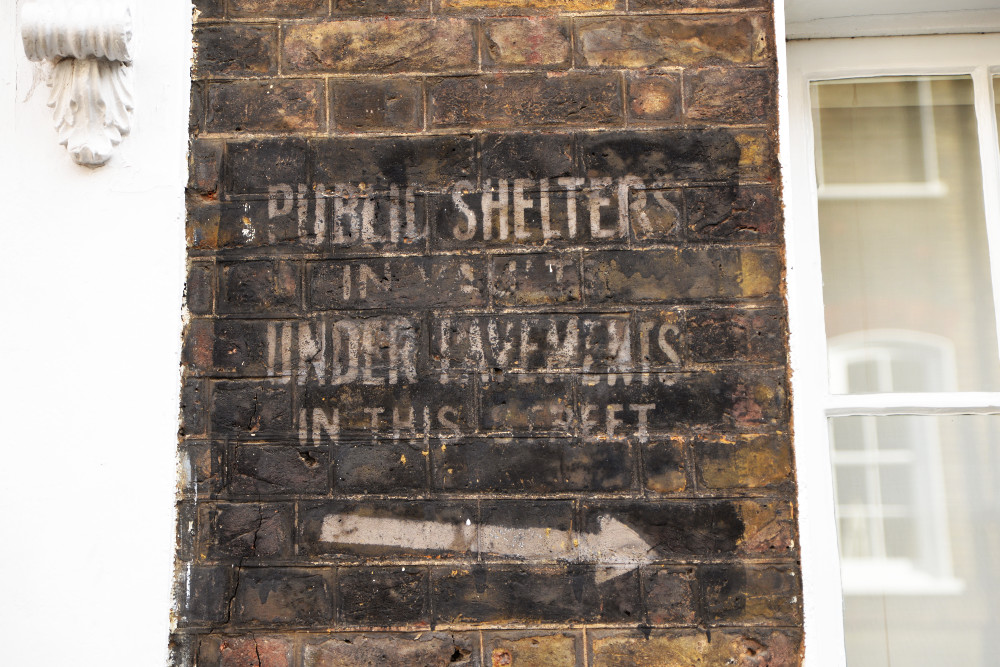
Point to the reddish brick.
(245, 651)
(534, 43)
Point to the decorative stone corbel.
(88, 42)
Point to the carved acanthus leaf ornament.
(89, 44)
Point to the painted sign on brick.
(485, 361)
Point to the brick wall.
(486, 358)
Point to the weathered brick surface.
(527, 43)
(295, 105)
(524, 100)
(485, 358)
(381, 46)
(236, 50)
(380, 105)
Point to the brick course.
(486, 354)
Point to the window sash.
(818, 60)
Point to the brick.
(758, 155)
(671, 401)
(246, 530)
(736, 335)
(341, 219)
(199, 291)
(523, 6)
(203, 593)
(245, 651)
(363, 411)
(384, 596)
(757, 594)
(416, 282)
(206, 166)
(280, 470)
(258, 287)
(676, 275)
(747, 462)
(201, 469)
(185, 533)
(338, 350)
(201, 229)
(656, 215)
(536, 43)
(275, 597)
(249, 408)
(277, 8)
(669, 156)
(664, 42)
(535, 280)
(271, 106)
(381, 46)
(660, 5)
(509, 213)
(654, 98)
(379, 7)
(665, 463)
(700, 528)
(530, 466)
(314, 515)
(729, 95)
(523, 594)
(680, 648)
(235, 50)
(208, 9)
(226, 347)
(540, 649)
(732, 212)
(196, 113)
(670, 594)
(377, 105)
(512, 405)
(524, 100)
(251, 167)
(502, 522)
(383, 468)
(194, 399)
(447, 649)
(527, 155)
(422, 162)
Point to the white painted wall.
(91, 276)
(808, 10)
(812, 19)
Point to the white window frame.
(825, 59)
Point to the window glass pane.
(919, 559)
(909, 304)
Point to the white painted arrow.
(613, 546)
